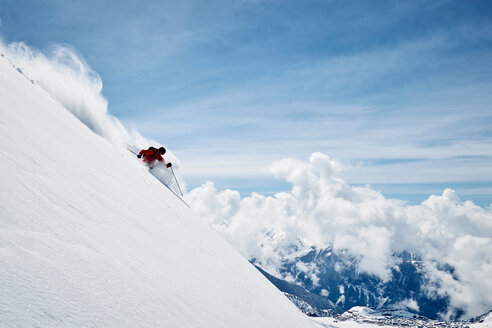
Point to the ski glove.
(169, 165)
(139, 156)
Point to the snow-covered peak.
(88, 238)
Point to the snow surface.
(88, 238)
(486, 322)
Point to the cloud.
(322, 209)
(216, 207)
(407, 304)
(406, 91)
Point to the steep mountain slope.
(309, 303)
(88, 238)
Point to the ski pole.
(176, 181)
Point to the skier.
(152, 154)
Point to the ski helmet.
(162, 150)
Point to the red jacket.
(150, 155)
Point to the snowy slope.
(483, 321)
(88, 238)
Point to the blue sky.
(398, 91)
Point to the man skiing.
(152, 154)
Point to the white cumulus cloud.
(323, 210)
